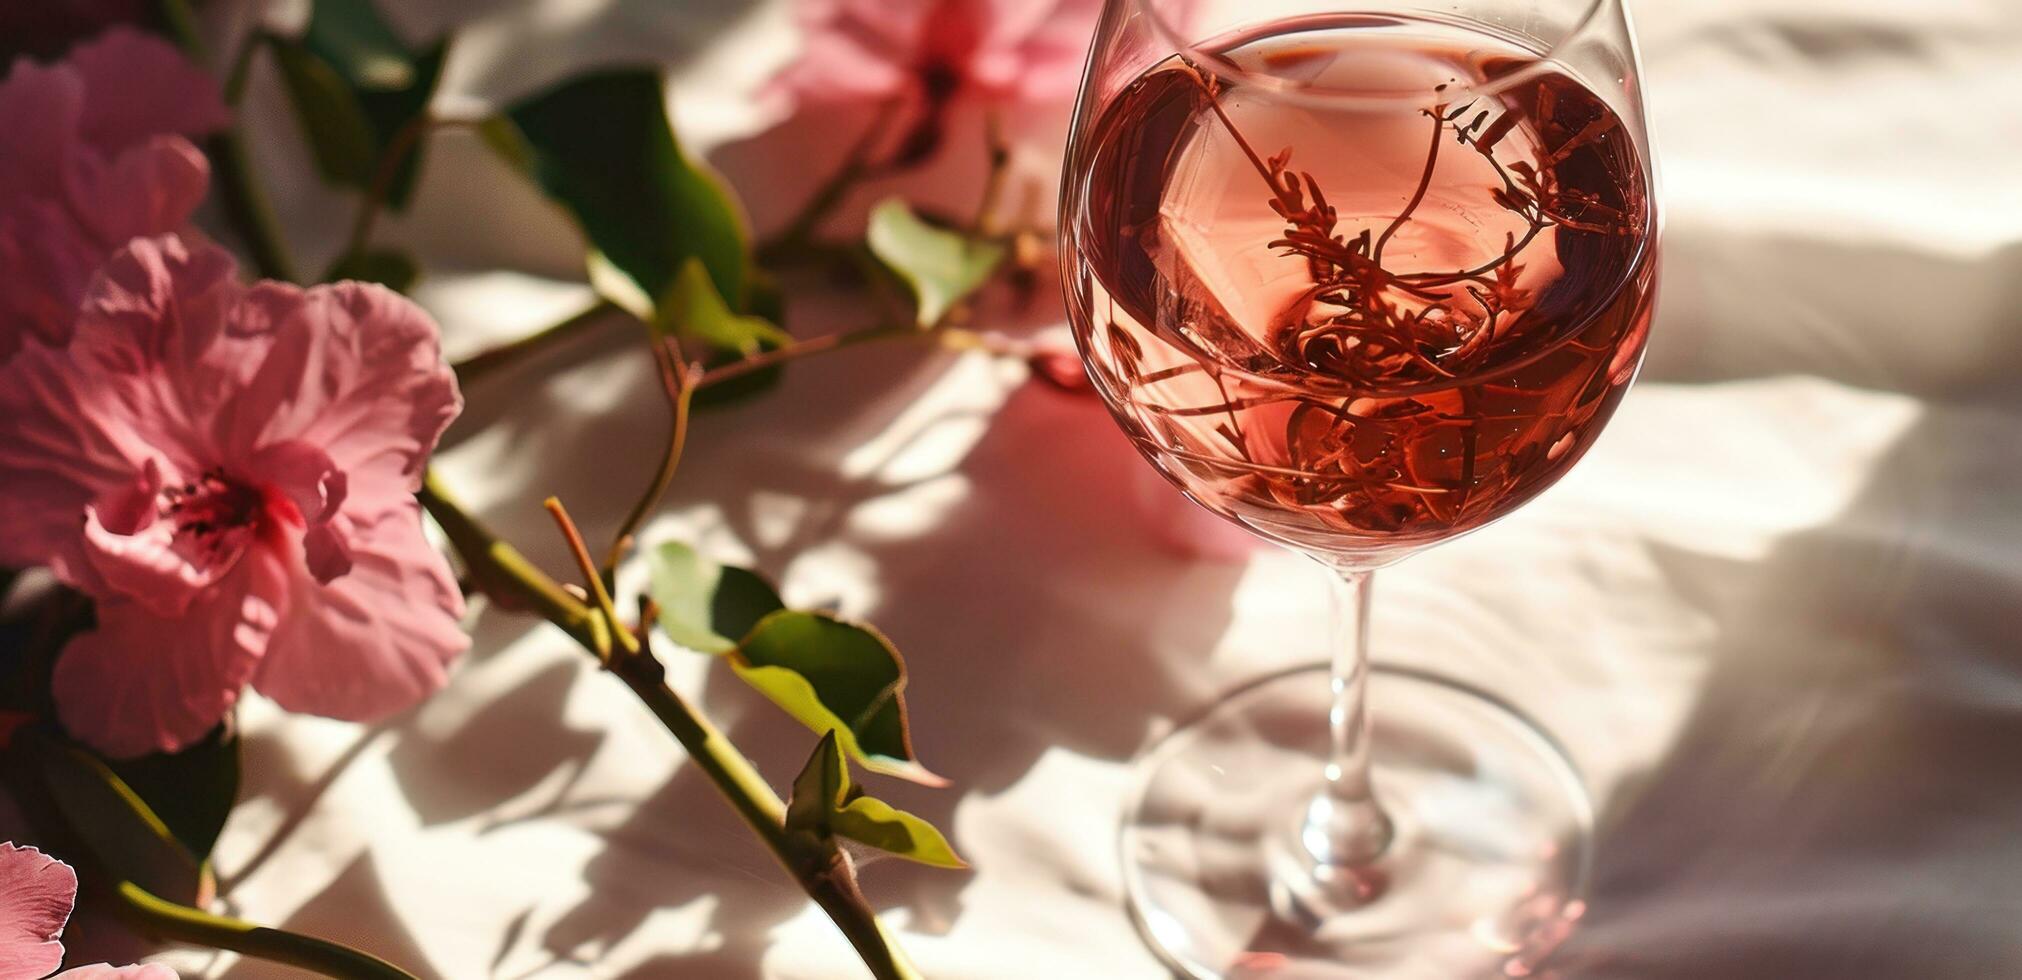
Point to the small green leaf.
(356, 86)
(693, 308)
(825, 804)
(340, 137)
(390, 267)
(942, 267)
(872, 821)
(192, 791)
(836, 676)
(702, 603)
(612, 283)
(125, 836)
(601, 145)
(505, 139)
(392, 110)
(819, 789)
(763, 299)
(352, 37)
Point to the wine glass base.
(1486, 874)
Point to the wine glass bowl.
(1372, 312)
(1361, 281)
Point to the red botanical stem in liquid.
(1361, 325)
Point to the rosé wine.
(1373, 313)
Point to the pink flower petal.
(376, 640)
(356, 371)
(59, 453)
(161, 303)
(101, 971)
(131, 555)
(144, 567)
(150, 188)
(317, 489)
(48, 258)
(130, 509)
(36, 894)
(834, 69)
(86, 420)
(143, 683)
(138, 86)
(863, 50)
(93, 158)
(305, 474)
(41, 109)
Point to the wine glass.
(1359, 281)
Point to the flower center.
(213, 510)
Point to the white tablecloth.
(1775, 614)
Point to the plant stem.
(477, 366)
(242, 66)
(509, 576)
(501, 571)
(398, 149)
(678, 379)
(246, 205)
(800, 349)
(390, 162)
(856, 166)
(180, 923)
(615, 625)
(986, 224)
(825, 875)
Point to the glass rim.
(1205, 58)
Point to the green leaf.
(356, 86)
(352, 37)
(702, 603)
(600, 144)
(868, 820)
(612, 283)
(941, 266)
(390, 267)
(340, 137)
(694, 309)
(836, 676)
(127, 839)
(825, 804)
(819, 789)
(762, 298)
(192, 791)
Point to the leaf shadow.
(353, 910)
(462, 773)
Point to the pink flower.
(935, 50)
(95, 156)
(229, 471)
(37, 893)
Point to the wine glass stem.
(1346, 826)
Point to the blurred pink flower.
(37, 893)
(229, 471)
(95, 156)
(934, 50)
